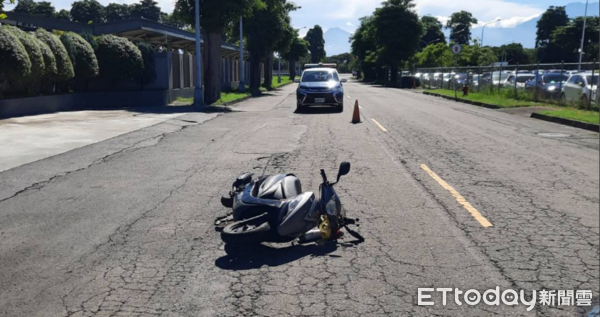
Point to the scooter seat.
(278, 187)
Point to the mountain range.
(337, 40)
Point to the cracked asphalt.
(124, 227)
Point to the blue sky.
(345, 13)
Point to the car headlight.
(552, 88)
(338, 89)
(302, 90)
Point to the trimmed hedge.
(32, 46)
(64, 66)
(49, 61)
(14, 60)
(82, 56)
(149, 73)
(119, 59)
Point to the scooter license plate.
(319, 100)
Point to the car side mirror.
(297, 80)
(344, 169)
(344, 80)
(580, 84)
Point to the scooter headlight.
(333, 207)
(295, 202)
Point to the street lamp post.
(198, 91)
(483, 29)
(583, 35)
(242, 87)
(427, 43)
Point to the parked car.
(549, 84)
(521, 79)
(460, 79)
(580, 87)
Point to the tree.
(172, 20)
(316, 44)
(216, 16)
(398, 33)
(553, 18)
(147, 9)
(264, 28)
(432, 31)
(44, 8)
(86, 11)
(460, 27)
(513, 53)
(364, 47)
(63, 15)
(435, 55)
(298, 49)
(117, 12)
(25, 6)
(566, 40)
(343, 61)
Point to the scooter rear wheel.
(250, 231)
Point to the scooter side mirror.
(344, 169)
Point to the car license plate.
(319, 100)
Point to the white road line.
(380, 126)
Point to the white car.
(579, 88)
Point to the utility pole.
(198, 91)
(242, 63)
(583, 35)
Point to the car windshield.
(552, 79)
(590, 82)
(319, 76)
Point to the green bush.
(14, 60)
(34, 51)
(149, 74)
(49, 62)
(64, 67)
(81, 54)
(118, 58)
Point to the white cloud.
(349, 24)
(483, 10)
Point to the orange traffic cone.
(356, 114)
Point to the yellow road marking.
(459, 198)
(379, 125)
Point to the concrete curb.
(576, 124)
(474, 103)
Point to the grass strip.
(497, 100)
(574, 114)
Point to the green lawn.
(575, 114)
(498, 100)
(284, 80)
(225, 98)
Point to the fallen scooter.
(274, 209)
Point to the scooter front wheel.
(250, 231)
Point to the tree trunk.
(254, 74)
(394, 75)
(212, 72)
(268, 83)
(292, 67)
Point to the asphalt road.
(449, 195)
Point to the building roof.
(138, 29)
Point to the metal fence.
(482, 78)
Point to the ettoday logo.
(509, 297)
